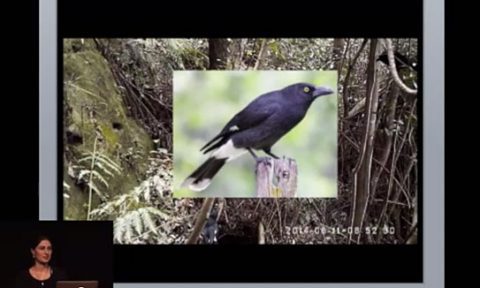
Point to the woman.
(40, 274)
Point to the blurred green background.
(204, 101)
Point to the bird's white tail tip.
(200, 186)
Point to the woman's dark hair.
(37, 239)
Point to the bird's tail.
(202, 177)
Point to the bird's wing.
(251, 116)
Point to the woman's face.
(43, 252)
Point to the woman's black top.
(25, 280)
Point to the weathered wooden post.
(276, 177)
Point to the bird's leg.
(258, 159)
(253, 153)
(267, 150)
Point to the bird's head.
(308, 91)
(321, 91)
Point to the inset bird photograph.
(255, 134)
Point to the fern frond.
(66, 186)
(83, 173)
(90, 157)
(110, 163)
(149, 221)
(119, 230)
(103, 168)
(137, 221)
(100, 177)
(95, 188)
(157, 212)
(128, 230)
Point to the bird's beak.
(321, 91)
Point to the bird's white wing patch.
(234, 128)
(228, 151)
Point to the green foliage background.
(204, 101)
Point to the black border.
(282, 263)
(20, 129)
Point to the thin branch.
(202, 218)
(260, 54)
(393, 69)
(347, 78)
(91, 177)
(261, 233)
(344, 56)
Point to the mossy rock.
(94, 108)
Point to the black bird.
(401, 61)
(258, 126)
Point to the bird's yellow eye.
(306, 89)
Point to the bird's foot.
(274, 156)
(269, 152)
(264, 160)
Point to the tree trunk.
(218, 52)
(226, 53)
(362, 172)
(338, 44)
(388, 132)
(238, 48)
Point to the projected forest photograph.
(329, 156)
